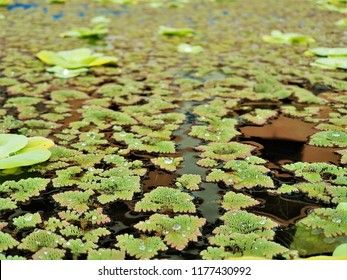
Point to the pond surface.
(238, 115)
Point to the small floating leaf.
(180, 32)
(167, 163)
(39, 239)
(7, 241)
(162, 198)
(329, 139)
(177, 231)
(140, 248)
(189, 182)
(74, 200)
(49, 254)
(98, 30)
(105, 254)
(236, 201)
(186, 48)
(27, 221)
(279, 37)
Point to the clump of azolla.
(330, 58)
(19, 150)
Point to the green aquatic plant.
(207, 162)
(7, 241)
(19, 150)
(97, 31)
(140, 248)
(171, 31)
(189, 181)
(340, 250)
(167, 163)
(279, 37)
(303, 112)
(163, 199)
(332, 57)
(240, 221)
(12, 258)
(341, 22)
(225, 151)
(73, 62)
(343, 154)
(186, 48)
(78, 247)
(7, 204)
(259, 116)
(321, 231)
(74, 200)
(64, 95)
(236, 201)
(105, 254)
(41, 239)
(314, 172)
(24, 189)
(49, 254)
(5, 2)
(27, 221)
(100, 20)
(241, 245)
(329, 139)
(177, 231)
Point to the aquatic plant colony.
(177, 129)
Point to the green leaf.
(40, 239)
(186, 48)
(140, 248)
(329, 139)
(105, 254)
(279, 37)
(331, 62)
(49, 254)
(328, 51)
(61, 72)
(235, 201)
(162, 198)
(11, 143)
(27, 221)
(7, 241)
(180, 32)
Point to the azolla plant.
(191, 129)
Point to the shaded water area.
(243, 108)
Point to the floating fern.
(7, 204)
(313, 172)
(27, 221)
(240, 221)
(226, 151)
(7, 241)
(105, 254)
(321, 231)
(39, 239)
(24, 189)
(167, 163)
(247, 245)
(236, 201)
(74, 200)
(207, 162)
(189, 182)
(329, 139)
(12, 258)
(177, 231)
(95, 234)
(49, 254)
(78, 247)
(259, 116)
(140, 248)
(163, 198)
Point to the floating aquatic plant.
(140, 248)
(78, 247)
(236, 201)
(5, 2)
(341, 22)
(259, 116)
(7, 241)
(241, 245)
(343, 154)
(225, 151)
(340, 250)
(177, 231)
(96, 31)
(321, 231)
(186, 48)
(24, 189)
(171, 31)
(332, 57)
(49, 254)
(189, 181)
(105, 254)
(240, 221)
(19, 150)
(12, 258)
(64, 95)
(7, 204)
(73, 62)
(164, 198)
(329, 139)
(314, 172)
(207, 162)
(280, 37)
(74, 200)
(295, 112)
(27, 221)
(167, 163)
(39, 239)
(100, 20)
